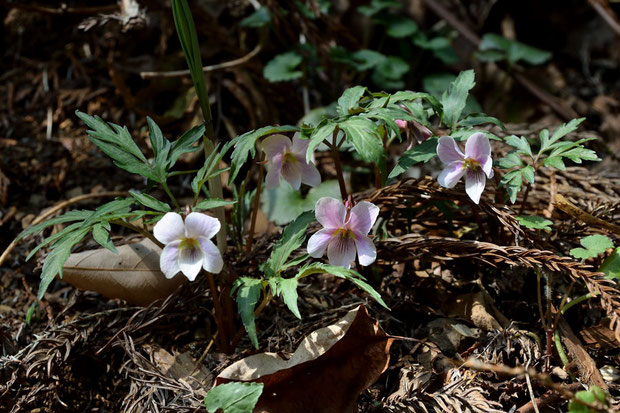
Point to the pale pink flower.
(345, 231)
(287, 159)
(474, 164)
(188, 245)
(402, 124)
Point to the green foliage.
(245, 145)
(248, 293)
(400, 26)
(534, 222)
(593, 245)
(292, 238)
(259, 18)
(377, 6)
(364, 135)
(283, 67)
(212, 203)
(116, 142)
(388, 73)
(209, 169)
(348, 102)
(81, 223)
(235, 397)
(552, 151)
(494, 47)
(341, 272)
(593, 395)
(186, 30)
(149, 201)
(284, 204)
(611, 265)
(453, 99)
(423, 152)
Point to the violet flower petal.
(300, 146)
(478, 147)
(291, 172)
(448, 151)
(366, 251)
(272, 180)
(275, 144)
(330, 212)
(474, 184)
(363, 217)
(212, 259)
(201, 225)
(190, 261)
(451, 174)
(169, 259)
(309, 174)
(341, 251)
(318, 242)
(169, 228)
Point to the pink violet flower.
(287, 159)
(345, 232)
(188, 245)
(476, 164)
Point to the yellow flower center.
(189, 243)
(289, 157)
(471, 164)
(344, 233)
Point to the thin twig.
(607, 13)
(61, 205)
(210, 68)
(62, 10)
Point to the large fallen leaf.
(327, 372)
(132, 275)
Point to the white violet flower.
(188, 245)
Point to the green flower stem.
(256, 204)
(338, 165)
(139, 230)
(560, 349)
(576, 301)
(172, 198)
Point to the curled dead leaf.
(132, 275)
(327, 372)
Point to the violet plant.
(366, 123)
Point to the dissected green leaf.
(116, 142)
(534, 222)
(292, 238)
(454, 99)
(150, 202)
(520, 144)
(341, 272)
(423, 152)
(283, 67)
(287, 288)
(101, 234)
(593, 245)
(235, 397)
(54, 261)
(248, 293)
(185, 144)
(213, 203)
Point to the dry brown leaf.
(327, 372)
(132, 275)
(182, 367)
